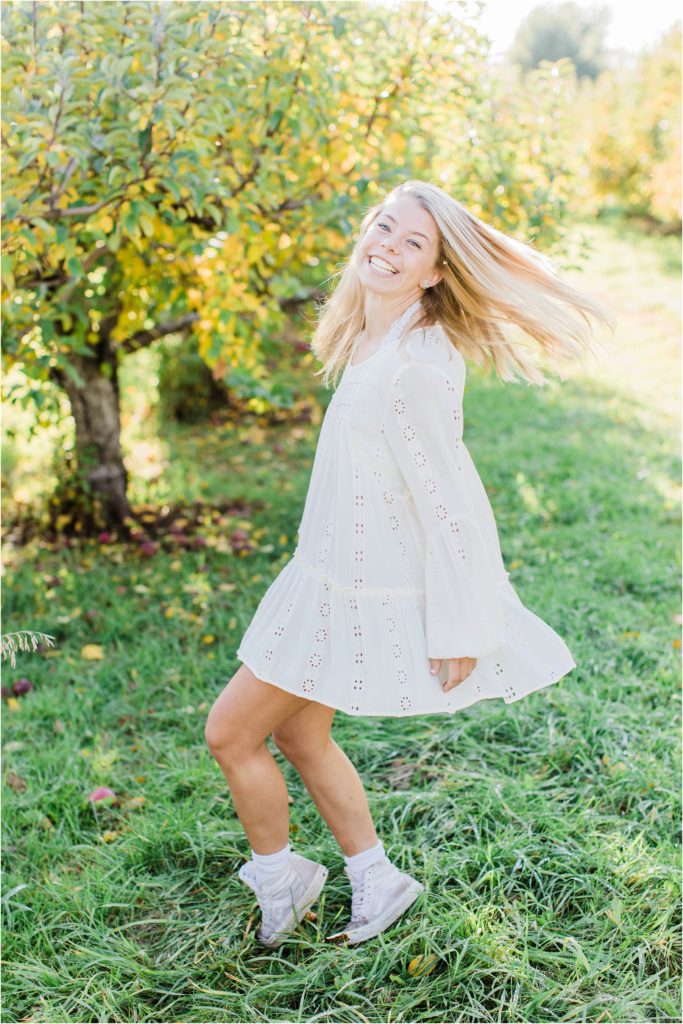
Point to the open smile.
(381, 266)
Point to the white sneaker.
(383, 894)
(285, 898)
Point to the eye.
(383, 225)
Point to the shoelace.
(361, 898)
(266, 905)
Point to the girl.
(396, 600)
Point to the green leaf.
(338, 26)
(42, 223)
(144, 138)
(12, 204)
(173, 187)
(47, 330)
(215, 212)
(72, 372)
(130, 222)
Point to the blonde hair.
(488, 280)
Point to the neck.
(382, 310)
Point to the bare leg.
(241, 718)
(329, 776)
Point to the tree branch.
(292, 302)
(142, 339)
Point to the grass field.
(547, 832)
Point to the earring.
(424, 284)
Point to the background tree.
(176, 167)
(621, 138)
(631, 136)
(556, 30)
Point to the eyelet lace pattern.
(423, 427)
(398, 559)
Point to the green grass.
(546, 832)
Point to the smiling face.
(403, 236)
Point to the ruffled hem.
(365, 652)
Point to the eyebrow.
(410, 232)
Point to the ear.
(439, 275)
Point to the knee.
(220, 737)
(213, 733)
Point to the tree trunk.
(95, 408)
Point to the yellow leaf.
(109, 837)
(136, 801)
(13, 704)
(92, 652)
(420, 965)
(208, 639)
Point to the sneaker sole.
(406, 899)
(307, 900)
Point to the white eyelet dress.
(398, 558)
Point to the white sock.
(360, 861)
(268, 865)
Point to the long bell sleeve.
(423, 427)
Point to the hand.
(458, 670)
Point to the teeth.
(381, 264)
